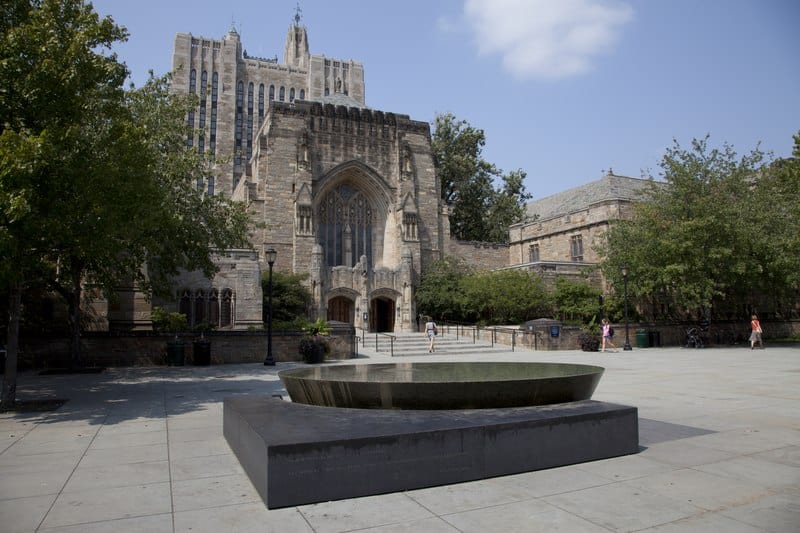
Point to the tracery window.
(226, 311)
(533, 253)
(249, 144)
(214, 94)
(576, 247)
(346, 226)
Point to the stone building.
(343, 192)
(563, 229)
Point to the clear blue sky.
(563, 89)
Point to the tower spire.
(297, 14)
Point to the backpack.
(610, 331)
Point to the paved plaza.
(141, 449)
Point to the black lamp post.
(270, 253)
(627, 346)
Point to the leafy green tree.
(774, 208)
(576, 301)
(703, 236)
(97, 185)
(291, 300)
(505, 296)
(480, 212)
(440, 293)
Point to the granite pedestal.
(299, 454)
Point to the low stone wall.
(718, 334)
(147, 348)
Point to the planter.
(176, 353)
(314, 353)
(201, 352)
(589, 343)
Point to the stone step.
(411, 344)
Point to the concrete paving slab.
(244, 518)
(552, 481)
(708, 491)
(219, 491)
(115, 441)
(622, 507)
(151, 524)
(462, 497)
(705, 522)
(528, 515)
(125, 455)
(751, 469)
(680, 453)
(198, 448)
(22, 515)
(204, 467)
(21, 484)
(621, 469)
(749, 399)
(366, 512)
(777, 513)
(88, 477)
(101, 504)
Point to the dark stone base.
(298, 454)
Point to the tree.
(576, 301)
(505, 296)
(97, 185)
(50, 79)
(479, 210)
(440, 293)
(291, 299)
(775, 209)
(703, 237)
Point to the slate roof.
(608, 188)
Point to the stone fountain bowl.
(445, 385)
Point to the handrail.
(460, 329)
(392, 338)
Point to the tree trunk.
(9, 396)
(74, 302)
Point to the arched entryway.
(381, 315)
(340, 308)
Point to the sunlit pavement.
(141, 449)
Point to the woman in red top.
(755, 334)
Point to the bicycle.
(693, 338)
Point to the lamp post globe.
(270, 254)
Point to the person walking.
(608, 333)
(755, 333)
(431, 331)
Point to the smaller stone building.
(563, 229)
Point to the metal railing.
(392, 338)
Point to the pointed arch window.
(199, 307)
(346, 226)
(213, 307)
(226, 309)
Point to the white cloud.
(547, 39)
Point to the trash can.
(641, 339)
(201, 352)
(176, 353)
(654, 337)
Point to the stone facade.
(345, 193)
(560, 238)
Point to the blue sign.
(555, 330)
